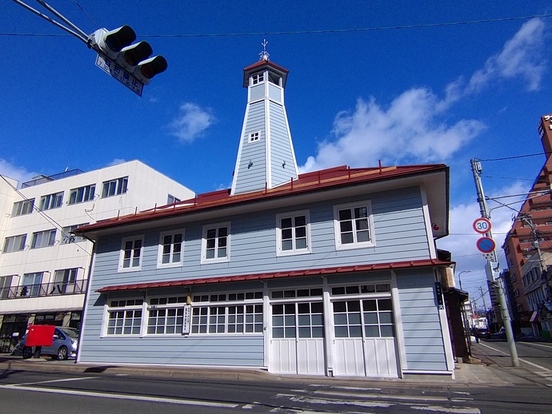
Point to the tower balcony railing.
(44, 290)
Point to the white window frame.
(51, 201)
(12, 241)
(339, 245)
(161, 249)
(115, 187)
(67, 236)
(21, 208)
(279, 236)
(45, 238)
(160, 324)
(138, 305)
(130, 267)
(216, 259)
(254, 136)
(82, 194)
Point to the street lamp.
(459, 279)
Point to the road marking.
(455, 410)
(535, 344)
(52, 381)
(122, 396)
(383, 396)
(546, 370)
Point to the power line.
(323, 31)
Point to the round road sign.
(482, 225)
(486, 244)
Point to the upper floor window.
(15, 243)
(257, 78)
(293, 233)
(82, 194)
(215, 243)
(68, 236)
(5, 284)
(131, 253)
(51, 201)
(353, 225)
(115, 187)
(32, 285)
(171, 248)
(43, 239)
(23, 207)
(172, 199)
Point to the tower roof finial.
(264, 55)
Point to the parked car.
(64, 345)
(482, 333)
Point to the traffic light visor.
(153, 66)
(136, 53)
(117, 39)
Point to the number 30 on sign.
(482, 225)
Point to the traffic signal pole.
(74, 30)
(129, 63)
(492, 265)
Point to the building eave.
(308, 183)
(277, 275)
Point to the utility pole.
(492, 265)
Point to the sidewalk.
(482, 371)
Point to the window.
(172, 199)
(228, 319)
(124, 317)
(254, 136)
(15, 243)
(166, 315)
(68, 237)
(293, 233)
(170, 248)
(353, 226)
(369, 318)
(43, 239)
(32, 284)
(131, 253)
(65, 282)
(51, 201)
(82, 194)
(215, 243)
(23, 207)
(115, 187)
(257, 78)
(5, 284)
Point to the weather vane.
(264, 55)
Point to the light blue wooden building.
(333, 272)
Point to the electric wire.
(321, 31)
(49, 219)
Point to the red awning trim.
(277, 275)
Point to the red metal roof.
(308, 182)
(278, 275)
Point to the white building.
(43, 267)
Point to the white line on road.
(121, 396)
(521, 359)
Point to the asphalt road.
(534, 356)
(32, 392)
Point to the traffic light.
(134, 58)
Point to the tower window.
(257, 78)
(254, 136)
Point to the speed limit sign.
(482, 225)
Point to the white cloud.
(414, 126)
(521, 56)
(409, 130)
(191, 122)
(17, 173)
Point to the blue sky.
(402, 82)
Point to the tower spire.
(266, 158)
